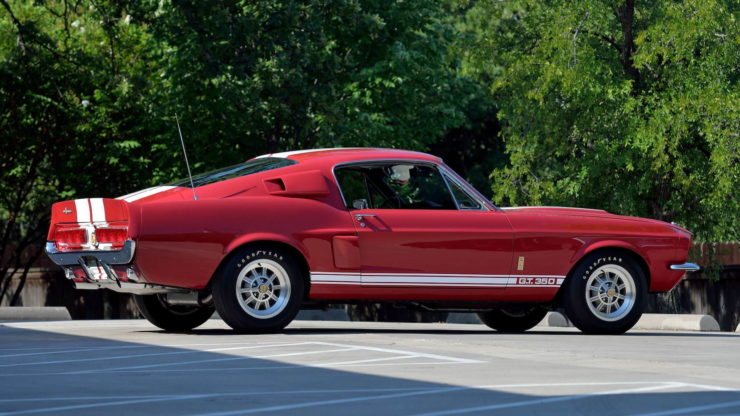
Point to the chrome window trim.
(462, 183)
(449, 189)
(441, 168)
(448, 179)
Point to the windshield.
(235, 171)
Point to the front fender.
(589, 248)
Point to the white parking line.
(286, 366)
(213, 360)
(395, 355)
(101, 402)
(394, 351)
(70, 351)
(109, 358)
(333, 402)
(545, 400)
(83, 348)
(93, 405)
(693, 409)
(371, 360)
(239, 394)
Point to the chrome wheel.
(263, 288)
(610, 292)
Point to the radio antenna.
(182, 141)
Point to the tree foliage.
(630, 106)
(257, 77)
(89, 91)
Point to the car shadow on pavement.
(50, 372)
(463, 330)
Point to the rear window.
(242, 169)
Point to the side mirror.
(360, 204)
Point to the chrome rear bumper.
(686, 267)
(101, 258)
(72, 258)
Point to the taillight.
(108, 237)
(70, 237)
(111, 235)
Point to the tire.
(513, 318)
(605, 293)
(259, 290)
(174, 318)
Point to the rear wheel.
(513, 318)
(605, 293)
(172, 317)
(259, 290)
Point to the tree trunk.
(626, 15)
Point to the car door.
(419, 229)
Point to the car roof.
(348, 154)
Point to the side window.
(463, 199)
(417, 187)
(394, 186)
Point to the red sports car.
(259, 240)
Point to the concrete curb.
(334, 314)
(648, 321)
(34, 313)
(555, 319)
(652, 321)
(680, 322)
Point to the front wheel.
(259, 290)
(513, 318)
(605, 293)
(172, 317)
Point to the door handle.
(359, 217)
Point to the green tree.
(72, 77)
(622, 105)
(255, 77)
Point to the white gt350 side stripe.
(435, 280)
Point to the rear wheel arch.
(291, 250)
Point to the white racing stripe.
(98, 209)
(145, 193)
(298, 152)
(83, 210)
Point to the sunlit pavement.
(353, 368)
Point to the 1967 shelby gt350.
(267, 236)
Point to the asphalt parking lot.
(353, 368)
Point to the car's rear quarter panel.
(182, 243)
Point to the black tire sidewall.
(574, 296)
(502, 321)
(227, 303)
(159, 314)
